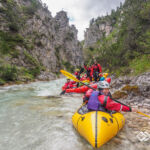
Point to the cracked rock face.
(95, 32)
(51, 41)
(139, 89)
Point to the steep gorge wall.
(96, 31)
(120, 41)
(36, 40)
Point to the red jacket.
(77, 75)
(110, 104)
(96, 68)
(87, 68)
(82, 89)
(69, 84)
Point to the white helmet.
(103, 85)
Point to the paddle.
(63, 92)
(143, 114)
(81, 70)
(69, 75)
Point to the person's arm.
(76, 73)
(100, 68)
(73, 82)
(91, 71)
(88, 93)
(134, 110)
(81, 70)
(85, 67)
(66, 85)
(111, 105)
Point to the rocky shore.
(44, 76)
(134, 91)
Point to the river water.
(34, 117)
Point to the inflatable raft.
(81, 89)
(97, 127)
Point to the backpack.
(94, 103)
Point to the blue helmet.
(102, 79)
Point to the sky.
(80, 12)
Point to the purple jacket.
(93, 102)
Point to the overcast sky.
(80, 12)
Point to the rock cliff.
(120, 41)
(97, 30)
(32, 39)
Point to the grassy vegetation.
(140, 65)
(8, 73)
(11, 39)
(8, 43)
(69, 36)
(32, 8)
(126, 49)
(68, 66)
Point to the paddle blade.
(143, 114)
(63, 92)
(69, 75)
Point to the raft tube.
(97, 127)
(81, 89)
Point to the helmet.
(77, 69)
(108, 80)
(102, 79)
(105, 75)
(68, 78)
(103, 85)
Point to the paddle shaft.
(143, 114)
(75, 79)
(95, 90)
(117, 101)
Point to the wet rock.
(145, 90)
(132, 138)
(46, 76)
(132, 126)
(119, 94)
(138, 86)
(117, 140)
(128, 88)
(122, 136)
(143, 79)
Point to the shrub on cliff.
(8, 72)
(129, 41)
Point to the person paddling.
(69, 84)
(88, 71)
(77, 73)
(102, 99)
(96, 69)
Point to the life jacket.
(88, 72)
(103, 99)
(94, 103)
(89, 69)
(77, 75)
(96, 68)
(110, 105)
(82, 89)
